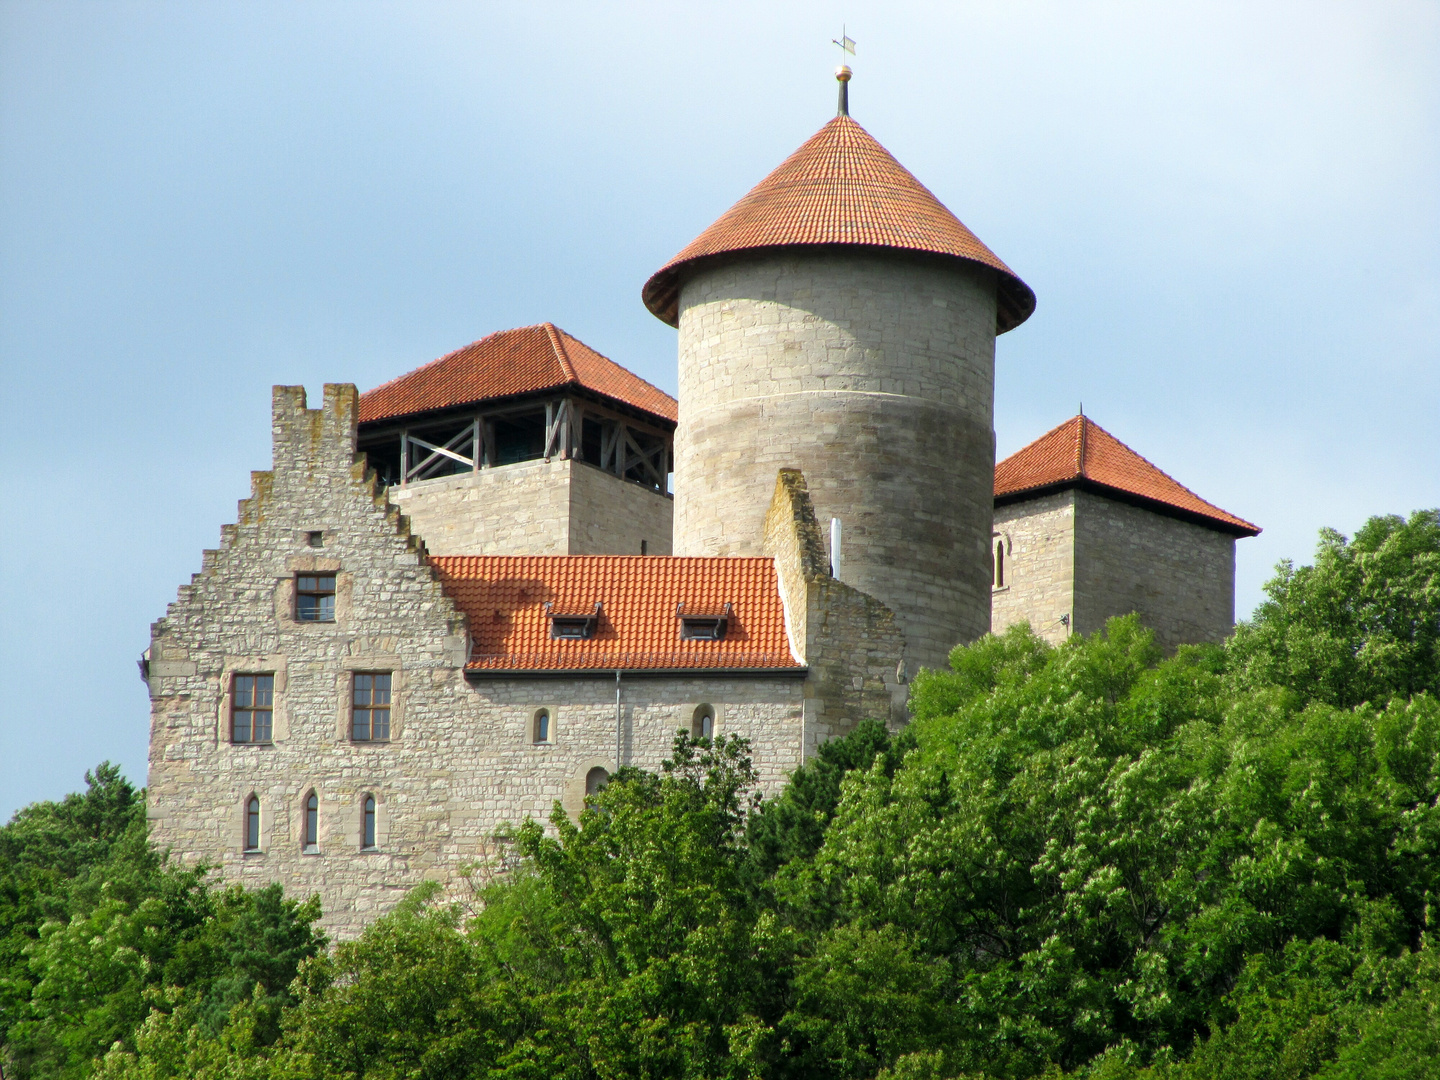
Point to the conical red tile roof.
(1080, 450)
(520, 361)
(840, 187)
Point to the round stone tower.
(840, 320)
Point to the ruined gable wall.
(1039, 538)
(1179, 576)
(849, 640)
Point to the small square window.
(370, 707)
(315, 538)
(252, 708)
(315, 597)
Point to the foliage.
(1360, 625)
(1088, 860)
(98, 931)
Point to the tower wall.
(874, 374)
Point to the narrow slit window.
(999, 564)
(702, 726)
(542, 727)
(312, 822)
(370, 707)
(252, 823)
(315, 597)
(252, 705)
(596, 780)
(367, 833)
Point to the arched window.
(595, 780)
(367, 830)
(312, 822)
(702, 724)
(542, 726)
(252, 823)
(1000, 563)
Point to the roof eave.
(1015, 301)
(789, 672)
(1084, 483)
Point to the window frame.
(317, 593)
(548, 715)
(703, 712)
(237, 689)
(251, 822)
(372, 706)
(310, 827)
(369, 822)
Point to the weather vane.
(842, 73)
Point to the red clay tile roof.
(510, 362)
(505, 596)
(1081, 450)
(840, 187)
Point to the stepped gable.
(509, 363)
(505, 597)
(840, 187)
(1081, 452)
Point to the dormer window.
(566, 626)
(701, 624)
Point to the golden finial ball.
(842, 73)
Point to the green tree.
(1361, 624)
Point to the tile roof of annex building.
(1081, 453)
(840, 187)
(510, 599)
(510, 363)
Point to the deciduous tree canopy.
(1091, 860)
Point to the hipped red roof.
(511, 362)
(505, 597)
(1081, 450)
(840, 187)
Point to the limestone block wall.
(850, 641)
(1039, 539)
(1081, 553)
(1179, 576)
(873, 374)
(611, 516)
(460, 759)
(556, 507)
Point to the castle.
(470, 593)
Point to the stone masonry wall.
(1039, 539)
(1179, 576)
(557, 507)
(873, 374)
(611, 516)
(849, 640)
(460, 760)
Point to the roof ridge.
(554, 332)
(1080, 447)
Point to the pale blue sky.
(1230, 213)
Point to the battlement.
(306, 438)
